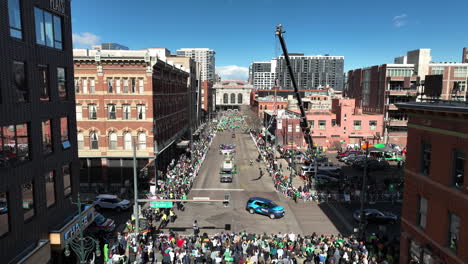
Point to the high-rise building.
(262, 74)
(206, 58)
(401, 60)
(311, 72)
(39, 166)
(123, 96)
(434, 219)
(113, 46)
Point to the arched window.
(127, 140)
(225, 98)
(80, 140)
(94, 142)
(239, 98)
(233, 98)
(142, 141)
(112, 140)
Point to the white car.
(110, 201)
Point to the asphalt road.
(212, 217)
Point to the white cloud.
(233, 72)
(400, 20)
(85, 40)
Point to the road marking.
(201, 198)
(219, 189)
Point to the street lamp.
(82, 245)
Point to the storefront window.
(50, 187)
(46, 137)
(66, 180)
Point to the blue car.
(265, 207)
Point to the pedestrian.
(196, 229)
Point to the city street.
(301, 218)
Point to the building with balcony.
(434, 216)
(232, 94)
(124, 96)
(205, 57)
(39, 165)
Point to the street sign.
(161, 204)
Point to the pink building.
(344, 124)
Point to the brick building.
(261, 104)
(207, 97)
(126, 95)
(434, 219)
(465, 55)
(39, 164)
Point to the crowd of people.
(248, 248)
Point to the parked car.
(110, 201)
(346, 153)
(102, 224)
(264, 206)
(322, 179)
(350, 156)
(376, 216)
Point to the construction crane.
(304, 124)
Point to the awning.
(183, 144)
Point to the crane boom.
(304, 124)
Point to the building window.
(460, 72)
(373, 125)
(80, 140)
(322, 124)
(225, 98)
(111, 112)
(5, 215)
(62, 89)
(239, 98)
(94, 141)
(142, 141)
(454, 230)
(92, 111)
(46, 137)
(77, 85)
(19, 82)
(127, 141)
(85, 85)
(50, 188)
(265, 107)
(141, 112)
(311, 124)
(438, 70)
(298, 128)
(48, 29)
(289, 128)
(92, 86)
(141, 86)
(67, 188)
(112, 140)
(125, 84)
(261, 107)
(14, 144)
(233, 98)
(426, 151)
(333, 121)
(357, 124)
(79, 112)
(64, 137)
(422, 214)
(14, 13)
(43, 72)
(126, 112)
(110, 87)
(28, 200)
(133, 83)
(117, 86)
(458, 169)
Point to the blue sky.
(366, 32)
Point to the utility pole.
(135, 189)
(362, 220)
(156, 166)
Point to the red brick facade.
(207, 96)
(444, 130)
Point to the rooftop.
(435, 105)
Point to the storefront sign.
(70, 230)
(73, 230)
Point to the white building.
(231, 94)
(262, 74)
(204, 56)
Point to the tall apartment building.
(206, 58)
(126, 95)
(39, 164)
(434, 216)
(378, 88)
(311, 72)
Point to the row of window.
(14, 141)
(114, 85)
(112, 112)
(233, 98)
(48, 26)
(457, 169)
(453, 228)
(28, 199)
(357, 124)
(113, 142)
(265, 107)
